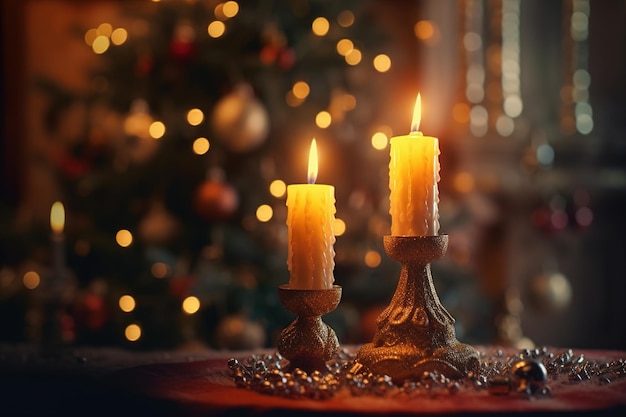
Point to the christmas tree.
(173, 173)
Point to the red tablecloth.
(206, 388)
(108, 382)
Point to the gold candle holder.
(308, 342)
(415, 333)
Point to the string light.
(127, 303)
(132, 332)
(31, 280)
(124, 238)
(264, 213)
(195, 117)
(216, 29)
(278, 188)
(345, 18)
(339, 227)
(323, 119)
(159, 270)
(382, 63)
(191, 305)
(320, 26)
(201, 146)
(156, 129)
(353, 57)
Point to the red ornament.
(215, 201)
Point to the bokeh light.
(124, 238)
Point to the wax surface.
(311, 253)
(413, 178)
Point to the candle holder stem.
(415, 333)
(308, 342)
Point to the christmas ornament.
(528, 376)
(182, 46)
(138, 146)
(215, 200)
(158, 226)
(237, 332)
(550, 291)
(240, 121)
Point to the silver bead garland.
(527, 373)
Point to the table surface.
(98, 381)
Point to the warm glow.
(379, 141)
(339, 227)
(119, 36)
(301, 90)
(230, 9)
(105, 29)
(424, 30)
(132, 332)
(464, 182)
(57, 217)
(292, 100)
(100, 44)
(372, 258)
(191, 305)
(460, 112)
(313, 163)
(31, 280)
(344, 46)
(382, 63)
(91, 36)
(278, 188)
(124, 238)
(323, 119)
(345, 18)
(353, 57)
(320, 26)
(417, 114)
(127, 303)
(156, 130)
(201, 146)
(195, 117)
(348, 102)
(159, 269)
(264, 213)
(216, 29)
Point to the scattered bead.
(526, 372)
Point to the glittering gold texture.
(415, 333)
(308, 342)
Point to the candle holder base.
(308, 343)
(415, 333)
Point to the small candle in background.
(310, 217)
(57, 224)
(413, 177)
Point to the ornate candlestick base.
(308, 342)
(415, 332)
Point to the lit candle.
(413, 177)
(57, 223)
(310, 217)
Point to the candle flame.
(57, 217)
(312, 171)
(417, 114)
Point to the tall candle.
(57, 224)
(310, 217)
(413, 177)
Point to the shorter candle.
(413, 177)
(310, 217)
(57, 224)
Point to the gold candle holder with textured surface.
(308, 342)
(415, 333)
